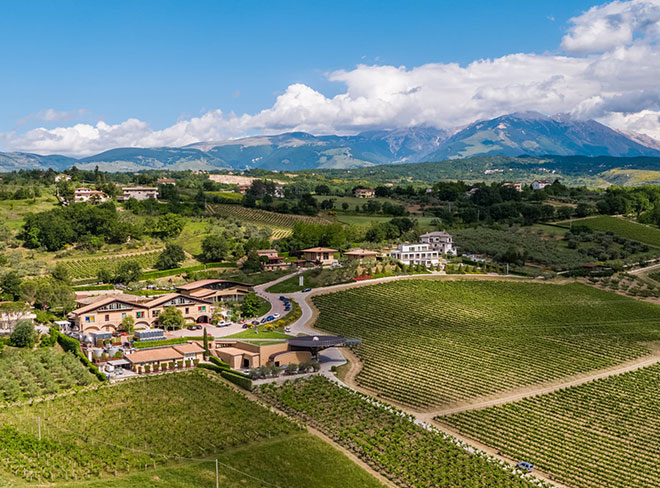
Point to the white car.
(224, 323)
(276, 315)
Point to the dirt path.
(120, 255)
(514, 396)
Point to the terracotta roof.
(106, 300)
(165, 298)
(319, 249)
(197, 284)
(233, 351)
(158, 354)
(360, 252)
(189, 348)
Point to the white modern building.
(439, 241)
(416, 254)
(540, 184)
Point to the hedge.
(71, 345)
(237, 378)
(93, 287)
(164, 342)
(218, 362)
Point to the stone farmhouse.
(364, 193)
(140, 192)
(89, 195)
(216, 290)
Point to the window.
(187, 311)
(89, 318)
(155, 313)
(139, 315)
(123, 316)
(200, 309)
(107, 318)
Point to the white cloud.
(52, 115)
(617, 86)
(614, 24)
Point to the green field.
(604, 434)
(441, 342)
(624, 228)
(14, 211)
(90, 267)
(31, 374)
(280, 224)
(406, 453)
(172, 426)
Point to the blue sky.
(69, 62)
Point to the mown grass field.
(14, 211)
(621, 227)
(604, 434)
(443, 342)
(175, 425)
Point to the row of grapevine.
(264, 217)
(602, 434)
(443, 342)
(89, 267)
(30, 374)
(118, 429)
(389, 441)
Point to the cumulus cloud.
(614, 24)
(613, 80)
(52, 115)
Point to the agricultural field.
(603, 434)
(121, 435)
(89, 267)
(13, 212)
(281, 224)
(446, 342)
(31, 374)
(621, 227)
(387, 440)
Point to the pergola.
(316, 343)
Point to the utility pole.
(217, 480)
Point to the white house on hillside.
(439, 241)
(416, 254)
(540, 184)
(89, 195)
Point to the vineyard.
(281, 224)
(597, 435)
(31, 374)
(442, 342)
(387, 440)
(89, 267)
(621, 227)
(118, 431)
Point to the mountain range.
(518, 134)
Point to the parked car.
(194, 327)
(283, 298)
(306, 290)
(223, 323)
(270, 317)
(529, 467)
(276, 316)
(287, 329)
(246, 325)
(256, 322)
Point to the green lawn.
(169, 423)
(621, 227)
(290, 285)
(453, 341)
(297, 461)
(192, 235)
(263, 334)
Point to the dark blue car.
(529, 467)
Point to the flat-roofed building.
(416, 254)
